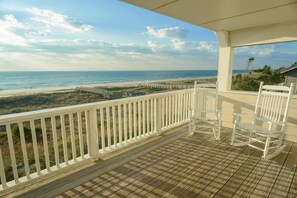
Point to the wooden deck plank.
(226, 173)
(134, 170)
(152, 171)
(283, 182)
(164, 175)
(208, 177)
(156, 170)
(236, 180)
(271, 173)
(184, 168)
(252, 181)
(139, 171)
(293, 187)
(196, 167)
(215, 156)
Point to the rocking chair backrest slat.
(205, 98)
(273, 102)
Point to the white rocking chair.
(265, 129)
(205, 117)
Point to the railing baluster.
(175, 109)
(170, 111)
(64, 140)
(139, 118)
(166, 112)
(108, 127)
(182, 106)
(87, 120)
(125, 123)
(120, 123)
(35, 147)
(72, 136)
(135, 119)
(130, 121)
(179, 108)
(114, 126)
(147, 116)
(152, 115)
(2, 171)
(158, 114)
(55, 141)
(102, 128)
(80, 135)
(185, 107)
(188, 106)
(143, 118)
(45, 144)
(24, 149)
(163, 113)
(12, 154)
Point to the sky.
(79, 35)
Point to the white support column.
(225, 65)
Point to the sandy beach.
(17, 101)
(23, 92)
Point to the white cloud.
(169, 33)
(153, 46)
(178, 44)
(174, 34)
(266, 51)
(258, 51)
(54, 19)
(210, 47)
(11, 31)
(10, 22)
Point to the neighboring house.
(291, 75)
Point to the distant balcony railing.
(36, 143)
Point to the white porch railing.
(36, 143)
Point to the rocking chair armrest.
(270, 122)
(243, 114)
(239, 115)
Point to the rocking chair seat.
(253, 128)
(213, 116)
(258, 130)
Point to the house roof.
(225, 15)
(293, 67)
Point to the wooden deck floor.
(198, 166)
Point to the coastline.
(24, 92)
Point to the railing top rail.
(45, 113)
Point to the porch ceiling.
(225, 15)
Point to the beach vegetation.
(251, 81)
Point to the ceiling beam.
(264, 35)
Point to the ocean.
(56, 79)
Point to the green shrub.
(27, 133)
(266, 74)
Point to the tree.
(250, 60)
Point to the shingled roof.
(293, 67)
